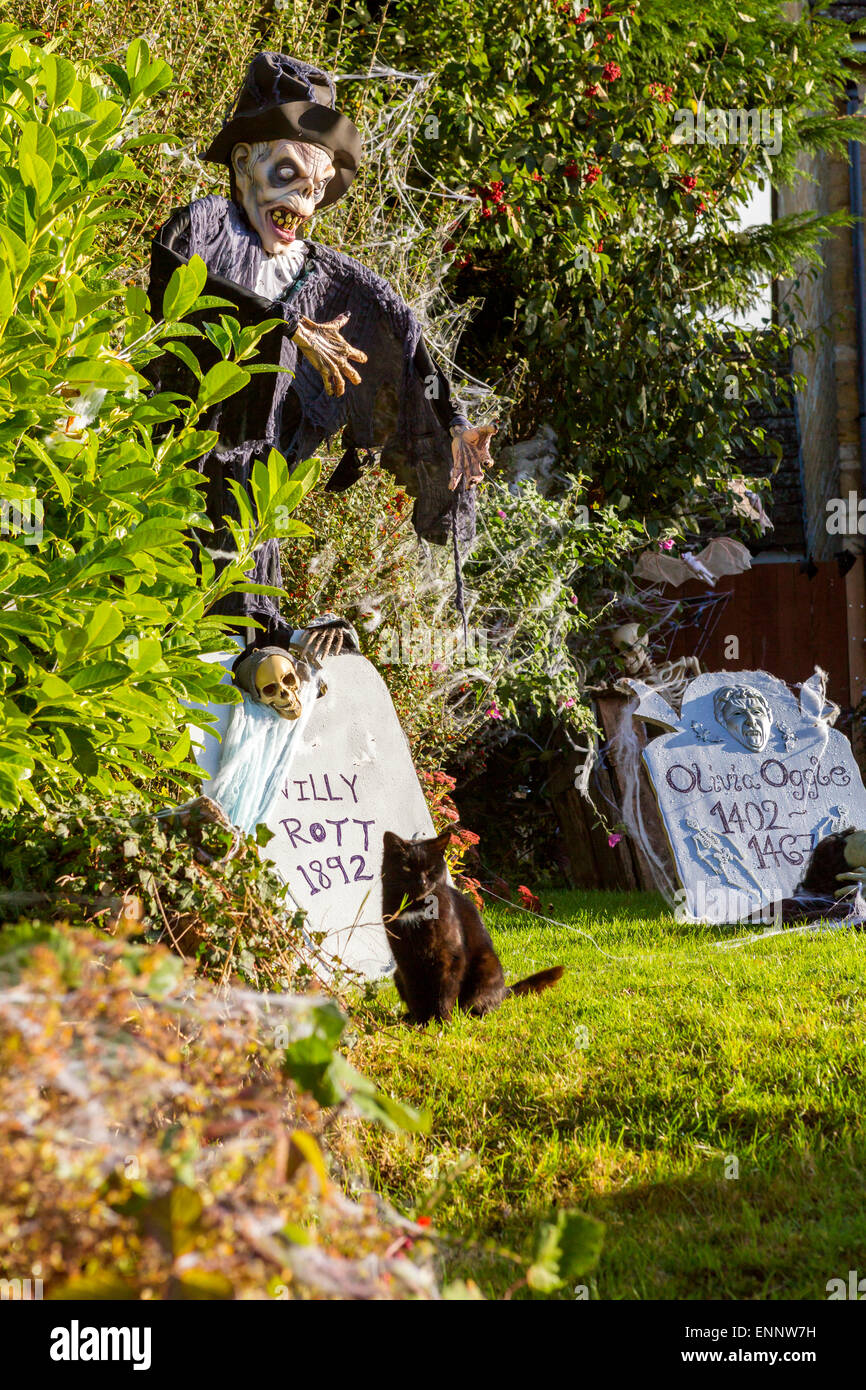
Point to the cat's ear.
(443, 841)
(392, 843)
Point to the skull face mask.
(745, 714)
(271, 676)
(280, 183)
(277, 684)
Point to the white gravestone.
(344, 780)
(748, 780)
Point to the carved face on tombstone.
(278, 686)
(634, 651)
(745, 714)
(280, 183)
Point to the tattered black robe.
(401, 407)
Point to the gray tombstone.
(748, 780)
(346, 776)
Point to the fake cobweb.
(152, 1146)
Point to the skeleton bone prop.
(280, 688)
(277, 683)
(712, 851)
(670, 676)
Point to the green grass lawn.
(627, 1091)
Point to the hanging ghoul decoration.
(354, 357)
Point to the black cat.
(443, 952)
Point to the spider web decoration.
(705, 610)
(407, 226)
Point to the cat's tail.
(534, 984)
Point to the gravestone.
(748, 780)
(344, 781)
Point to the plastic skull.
(278, 685)
(633, 650)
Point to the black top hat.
(283, 98)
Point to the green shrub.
(102, 611)
(186, 879)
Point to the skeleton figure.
(745, 714)
(632, 648)
(702, 733)
(672, 676)
(836, 820)
(787, 735)
(277, 684)
(716, 854)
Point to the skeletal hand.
(470, 454)
(857, 878)
(320, 642)
(326, 349)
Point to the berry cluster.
(492, 198)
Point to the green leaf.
(308, 1062)
(184, 288)
(187, 356)
(137, 57)
(306, 473)
(103, 626)
(16, 249)
(565, 1249)
(59, 78)
(7, 296)
(37, 175)
(223, 380)
(39, 140)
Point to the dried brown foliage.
(152, 1146)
